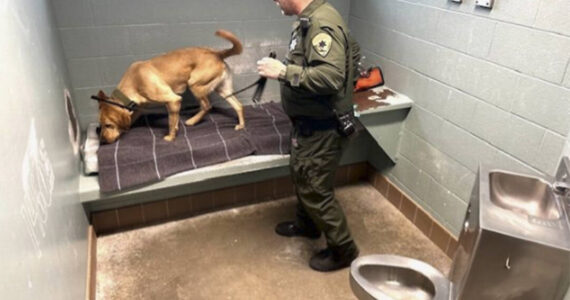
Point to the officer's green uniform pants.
(314, 161)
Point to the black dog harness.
(127, 103)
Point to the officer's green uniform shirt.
(316, 63)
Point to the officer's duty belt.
(307, 126)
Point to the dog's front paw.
(169, 138)
(239, 127)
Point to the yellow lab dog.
(161, 80)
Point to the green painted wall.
(43, 228)
(489, 86)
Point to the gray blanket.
(141, 156)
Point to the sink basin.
(515, 241)
(525, 195)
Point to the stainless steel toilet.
(515, 244)
(396, 277)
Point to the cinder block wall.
(101, 38)
(490, 86)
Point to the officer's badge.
(322, 43)
(293, 44)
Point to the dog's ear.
(102, 95)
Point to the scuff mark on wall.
(24, 27)
(38, 182)
(271, 43)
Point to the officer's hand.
(270, 68)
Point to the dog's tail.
(235, 50)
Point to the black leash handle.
(262, 81)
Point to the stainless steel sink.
(525, 195)
(515, 243)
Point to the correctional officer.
(316, 94)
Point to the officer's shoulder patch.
(322, 43)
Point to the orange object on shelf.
(372, 78)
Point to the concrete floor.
(235, 254)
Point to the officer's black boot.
(290, 229)
(334, 258)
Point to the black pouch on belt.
(346, 123)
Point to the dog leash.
(258, 82)
(130, 107)
(260, 85)
(255, 99)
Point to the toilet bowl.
(388, 277)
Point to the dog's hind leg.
(201, 91)
(225, 90)
(204, 108)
